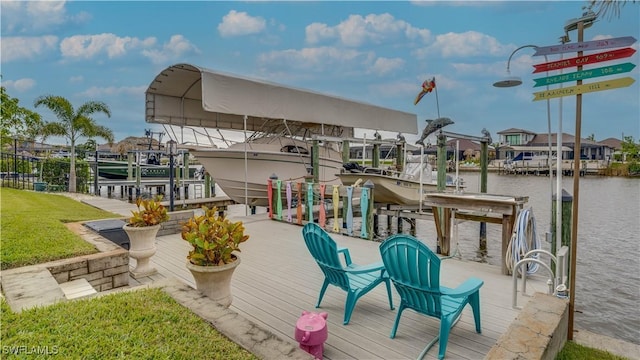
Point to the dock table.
(494, 209)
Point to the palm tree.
(74, 124)
(602, 7)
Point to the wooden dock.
(587, 167)
(278, 279)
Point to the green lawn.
(573, 351)
(143, 324)
(33, 231)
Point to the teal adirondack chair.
(415, 271)
(355, 280)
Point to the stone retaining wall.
(174, 225)
(109, 268)
(105, 270)
(539, 331)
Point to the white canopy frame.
(190, 96)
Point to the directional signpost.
(585, 74)
(579, 61)
(583, 89)
(586, 46)
(585, 60)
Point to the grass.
(573, 351)
(143, 324)
(33, 229)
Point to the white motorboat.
(400, 188)
(285, 158)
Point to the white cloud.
(383, 66)
(394, 89)
(240, 23)
(89, 46)
(358, 30)
(176, 48)
(601, 37)
(470, 43)
(318, 32)
(465, 3)
(76, 79)
(20, 85)
(97, 92)
(26, 48)
(36, 16)
(313, 58)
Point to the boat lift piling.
(484, 160)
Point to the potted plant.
(142, 229)
(212, 259)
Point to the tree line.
(72, 123)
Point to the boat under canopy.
(188, 96)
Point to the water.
(607, 294)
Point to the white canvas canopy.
(187, 95)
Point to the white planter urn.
(142, 247)
(215, 281)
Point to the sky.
(369, 51)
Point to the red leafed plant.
(213, 238)
(150, 212)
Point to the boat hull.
(392, 189)
(121, 171)
(227, 168)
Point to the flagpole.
(437, 102)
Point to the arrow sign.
(585, 60)
(583, 89)
(585, 74)
(586, 46)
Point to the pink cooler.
(311, 332)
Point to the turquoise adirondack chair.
(415, 271)
(354, 279)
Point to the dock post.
(375, 160)
(207, 185)
(138, 178)
(484, 157)
(96, 175)
(345, 151)
(129, 166)
(389, 219)
(442, 182)
(315, 159)
(376, 221)
(412, 223)
(400, 157)
(565, 237)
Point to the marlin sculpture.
(433, 126)
(487, 135)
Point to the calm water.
(608, 264)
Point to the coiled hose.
(523, 240)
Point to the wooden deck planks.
(278, 279)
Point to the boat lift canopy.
(188, 95)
